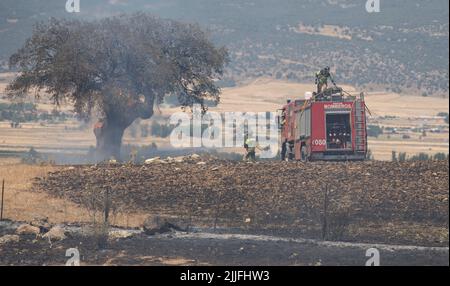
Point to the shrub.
(161, 130)
(374, 131)
(402, 156)
(440, 157)
(420, 157)
(445, 115)
(394, 156)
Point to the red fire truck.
(328, 126)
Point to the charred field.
(375, 202)
(217, 212)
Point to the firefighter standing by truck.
(322, 77)
(250, 146)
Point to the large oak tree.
(120, 67)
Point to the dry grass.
(22, 204)
(269, 95)
(383, 103)
(265, 94)
(260, 95)
(56, 137)
(382, 149)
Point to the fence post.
(107, 205)
(3, 192)
(325, 214)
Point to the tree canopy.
(134, 59)
(120, 65)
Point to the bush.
(440, 157)
(161, 130)
(445, 115)
(374, 131)
(402, 156)
(420, 157)
(32, 157)
(394, 156)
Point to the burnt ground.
(375, 202)
(197, 249)
(337, 206)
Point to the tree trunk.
(109, 139)
(118, 116)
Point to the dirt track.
(384, 202)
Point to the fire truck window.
(305, 123)
(308, 122)
(338, 131)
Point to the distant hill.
(404, 48)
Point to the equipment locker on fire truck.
(324, 126)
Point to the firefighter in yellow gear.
(250, 146)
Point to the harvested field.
(376, 202)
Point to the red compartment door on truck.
(318, 132)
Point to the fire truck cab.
(326, 126)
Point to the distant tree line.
(27, 112)
(402, 157)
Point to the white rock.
(179, 159)
(55, 233)
(152, 160)
(201, 163)
(27, 229)
(116, 234)
(9, 238)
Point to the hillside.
(402, 49)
